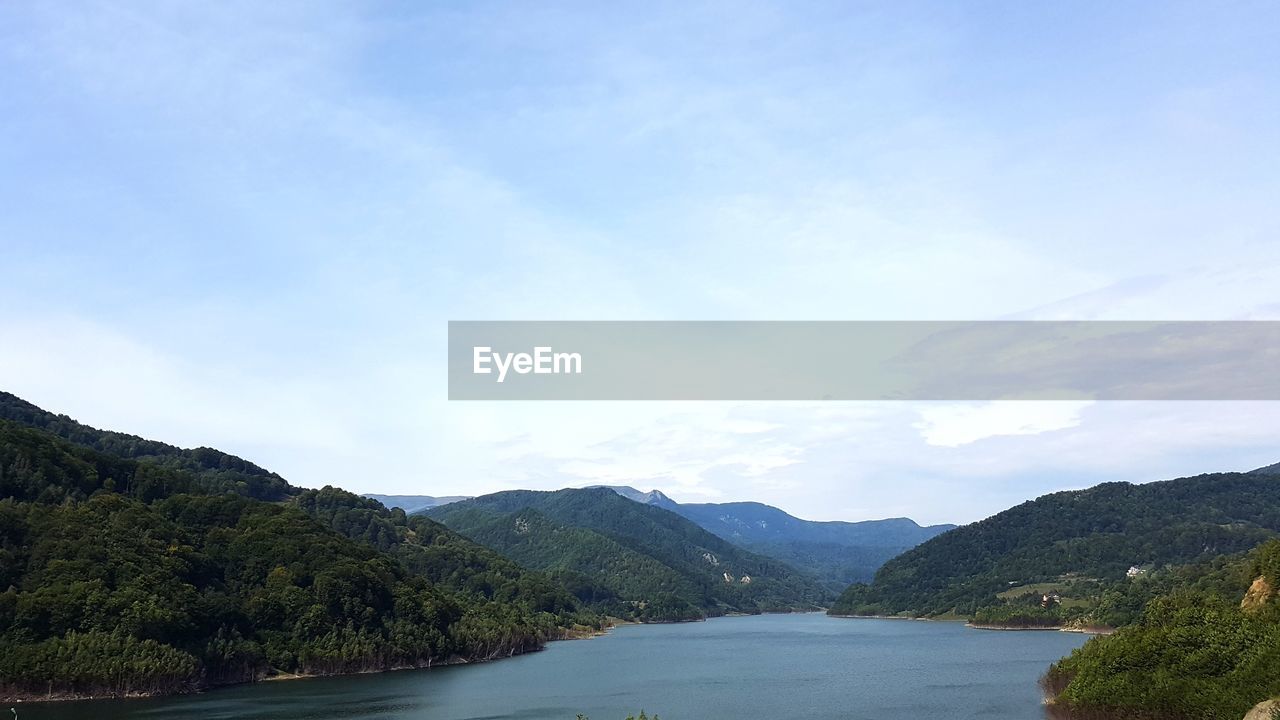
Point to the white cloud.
(962, 424)
(245, 225)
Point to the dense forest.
(1208, 649)
(1078, 545)
(630, 559)
(212, 470)
(1186, 569)
(133, 567)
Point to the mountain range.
(629, 558)
(131, 566)
(838, 553)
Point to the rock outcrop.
(1259, 594)
(1266, 710)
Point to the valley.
(137, 568)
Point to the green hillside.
(641, 554)
(160, 571)
(586, 559)
(1205, 651)
(213, 470)
(439, 554)
(1086, 539)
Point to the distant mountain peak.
(652, 497)
(1268, 470)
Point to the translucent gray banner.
(996, 360)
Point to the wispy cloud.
(246, 224)
(962, 424)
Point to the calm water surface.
(770, 667)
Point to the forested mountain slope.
(838, 553)
(216, 471)
(641, 554)
(155, 571)
(1091, 535)
(611, 577)
(1208, 648)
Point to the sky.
(245, 225)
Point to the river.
(768, 667)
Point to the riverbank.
(1081, 629)
(578, 633)
(900, 617)
(60, 697)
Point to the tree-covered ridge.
(1273, 469)
(216, 471)
(441, 555)
(1196, 652)
(619, 581)
(646, 556)
(228, 587)
(127, 576)
(1087, 536)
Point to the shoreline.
(899, 617)
(24, 699)
(1082, 630)
(277, 677)
(567, 635)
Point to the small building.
(728, 578)
(746, 580)
(1134, 571)
(1050, 599)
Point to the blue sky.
(246, 225)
